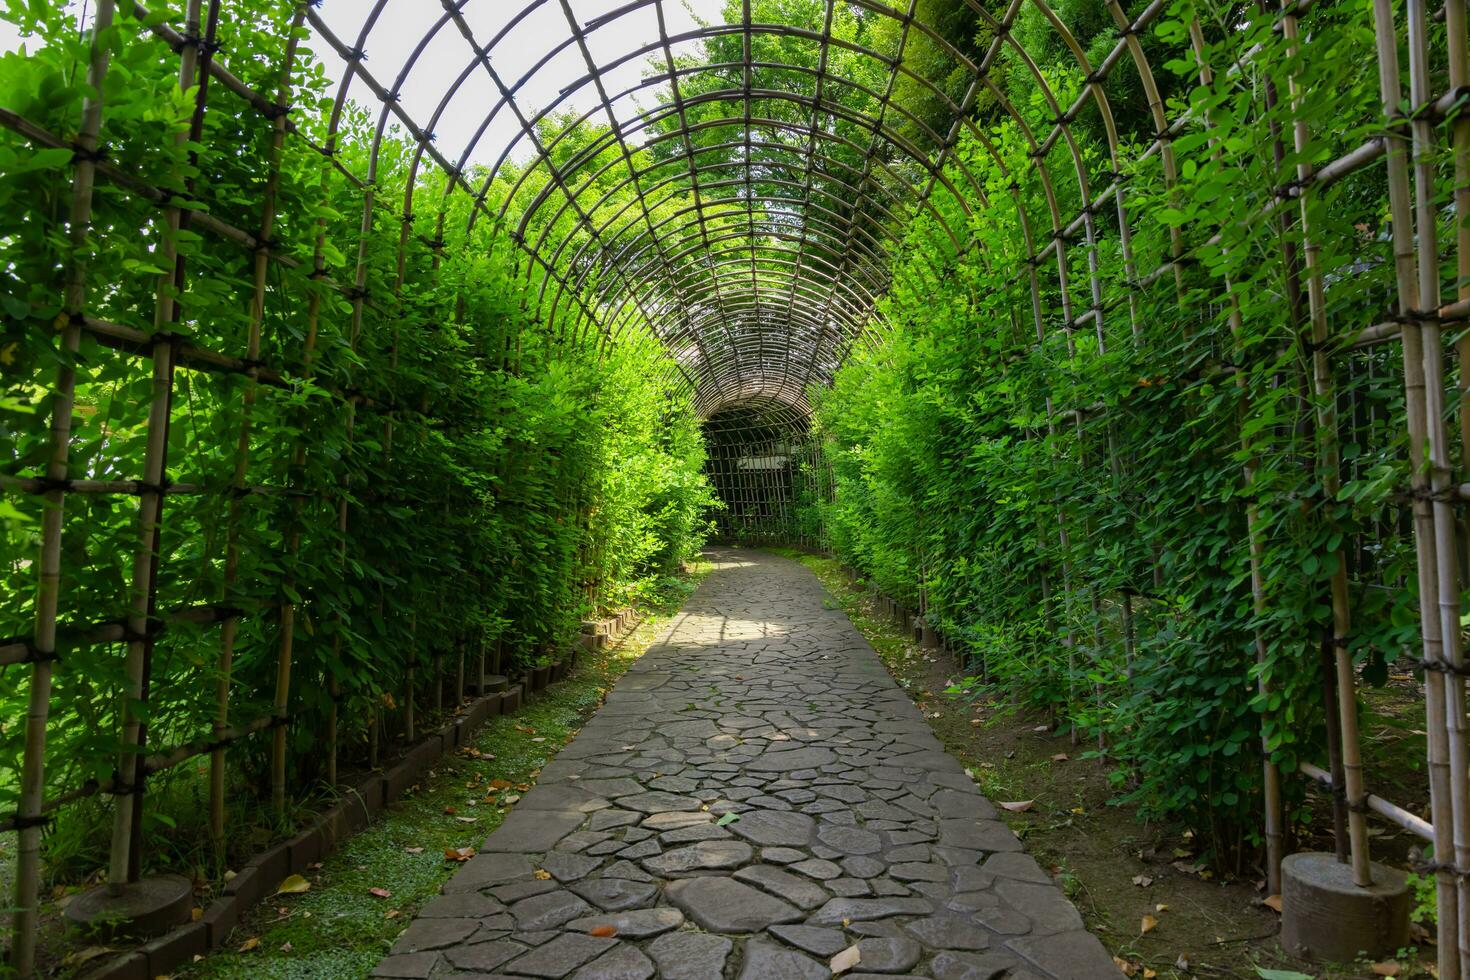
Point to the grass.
(365, 894)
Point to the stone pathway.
(851, 825)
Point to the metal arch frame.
(632, 302)
(817, 105)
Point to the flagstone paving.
(851, 825)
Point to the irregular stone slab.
(560, 956)
(888, 955)
(782, 855)
(423, 934)
(462, 905)
(562, 796)
(915, 871)
(532, 831)
(1067, 956)
(821, 942)
(809, 757)
(726, 905)
(612, 788)
(979, 835)
(949, 932)
(548, 911)
(615, 894)
(657, 802)
(690, 956)
(410, 966)
(612, 819)
(862, 866)
(484, 957)
(675, 820)
(818, 869)
(486, 870)
(764, 961)
(707, 855)
(799, 891)
(626, 869)
(775, 828)
(623, 963)
(565, 867)
(850, 840)
(973, 966)
(634, 924)
(861, 909)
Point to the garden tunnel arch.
(751, 194)
(767, 472)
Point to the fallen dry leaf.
(249, 944)
(1387, 968)
(541, 874)
(379, 892)
(604, 931)
(499, 784)
(1018, 806)
(845, 960)
(286, 947)
(413, 850)
(1127, 969)
(1272, 902)
(294, 885)
(1148, 925)
(458, 854)
(1060, 757)
(1142, 881)
(392, 914)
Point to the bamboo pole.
(1324, 396)
(48, 588)
(1437, 687)
(230, 627)
(123, 864)
(1441, 466)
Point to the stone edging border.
(360, 803)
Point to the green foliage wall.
(500, 482)
(1072, 507)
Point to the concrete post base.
(1326, 917)
(144, 909)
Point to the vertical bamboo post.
(1324, 393)
(229, 628)
(1441, 465)
(1438, 690)
(127, 821)
(1456, 31)
(48, 587)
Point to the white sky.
(403, 23)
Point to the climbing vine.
(1076, 510)
(409, 473)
